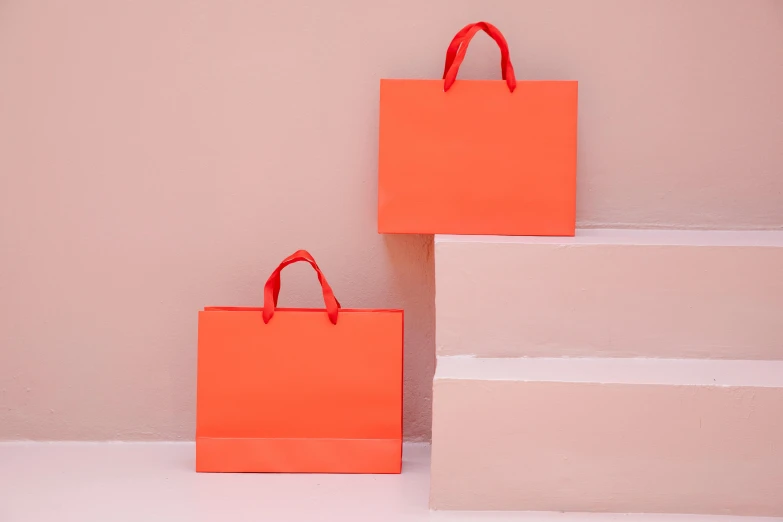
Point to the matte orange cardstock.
(299, 390)
(477, 157)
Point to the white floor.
(149, 482)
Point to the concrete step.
(616, 293)
(608, 435)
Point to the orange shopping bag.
(299, 390)
(477, 157)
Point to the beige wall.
(156, 157)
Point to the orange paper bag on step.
(477, 157)
(297, 389)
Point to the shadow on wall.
(413, 269)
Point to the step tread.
(618, 236)
(678, 372)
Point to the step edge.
(634, 237)
(619, 370)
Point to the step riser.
(518, 298)
(560, 446)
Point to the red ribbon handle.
(459, 47)
(272, 287)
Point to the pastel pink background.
(156, 157)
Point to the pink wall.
(156, 157)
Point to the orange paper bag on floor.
(299, 390)
(477, 157)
